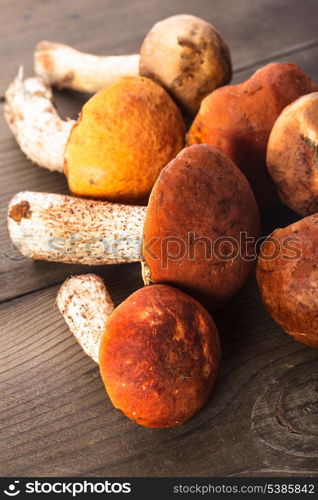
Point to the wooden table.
(55, 416)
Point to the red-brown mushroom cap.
(287, 275)
(199, 214)
(159, 356)
(238, 119)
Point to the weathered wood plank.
(306, 59)
(56, 419)
(254, 30)
(54, 416)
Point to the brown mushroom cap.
(292, 154)
(238, 119)
(125, 135)
(188, 57)
(159, 356)
(287, 275)
(200, 211)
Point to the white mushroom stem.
(64, 66)
(63, 228)
(86, 306)
(35, 123)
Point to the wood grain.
(57, 420)
(55, 416)
(253, 30)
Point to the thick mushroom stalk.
(35, 123)
(64, 66)
(86, 306)
(62, 228)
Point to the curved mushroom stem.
(66, 229)
(35, 123)
(86, 306)
(64, 66)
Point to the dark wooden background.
(55, 418)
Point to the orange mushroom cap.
(125, 135)
(159, 356)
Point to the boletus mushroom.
(197, 233)
(292, 155)
(158, 351)
(287, 275)
(238, 119)
(124, 136)
(183, 53)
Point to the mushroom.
(86, 305)
(183, 53)
(66, 67)
(124, 136)
(198, 231)
(287, 275)
(158, 351)
(292, 155)
(238, 119)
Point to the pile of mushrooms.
(239, 118)
(199, 205)
(159, 351)
(131, 128)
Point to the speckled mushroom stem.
(64, 66)
(61, 228)
(35, 123)
(86, 306)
